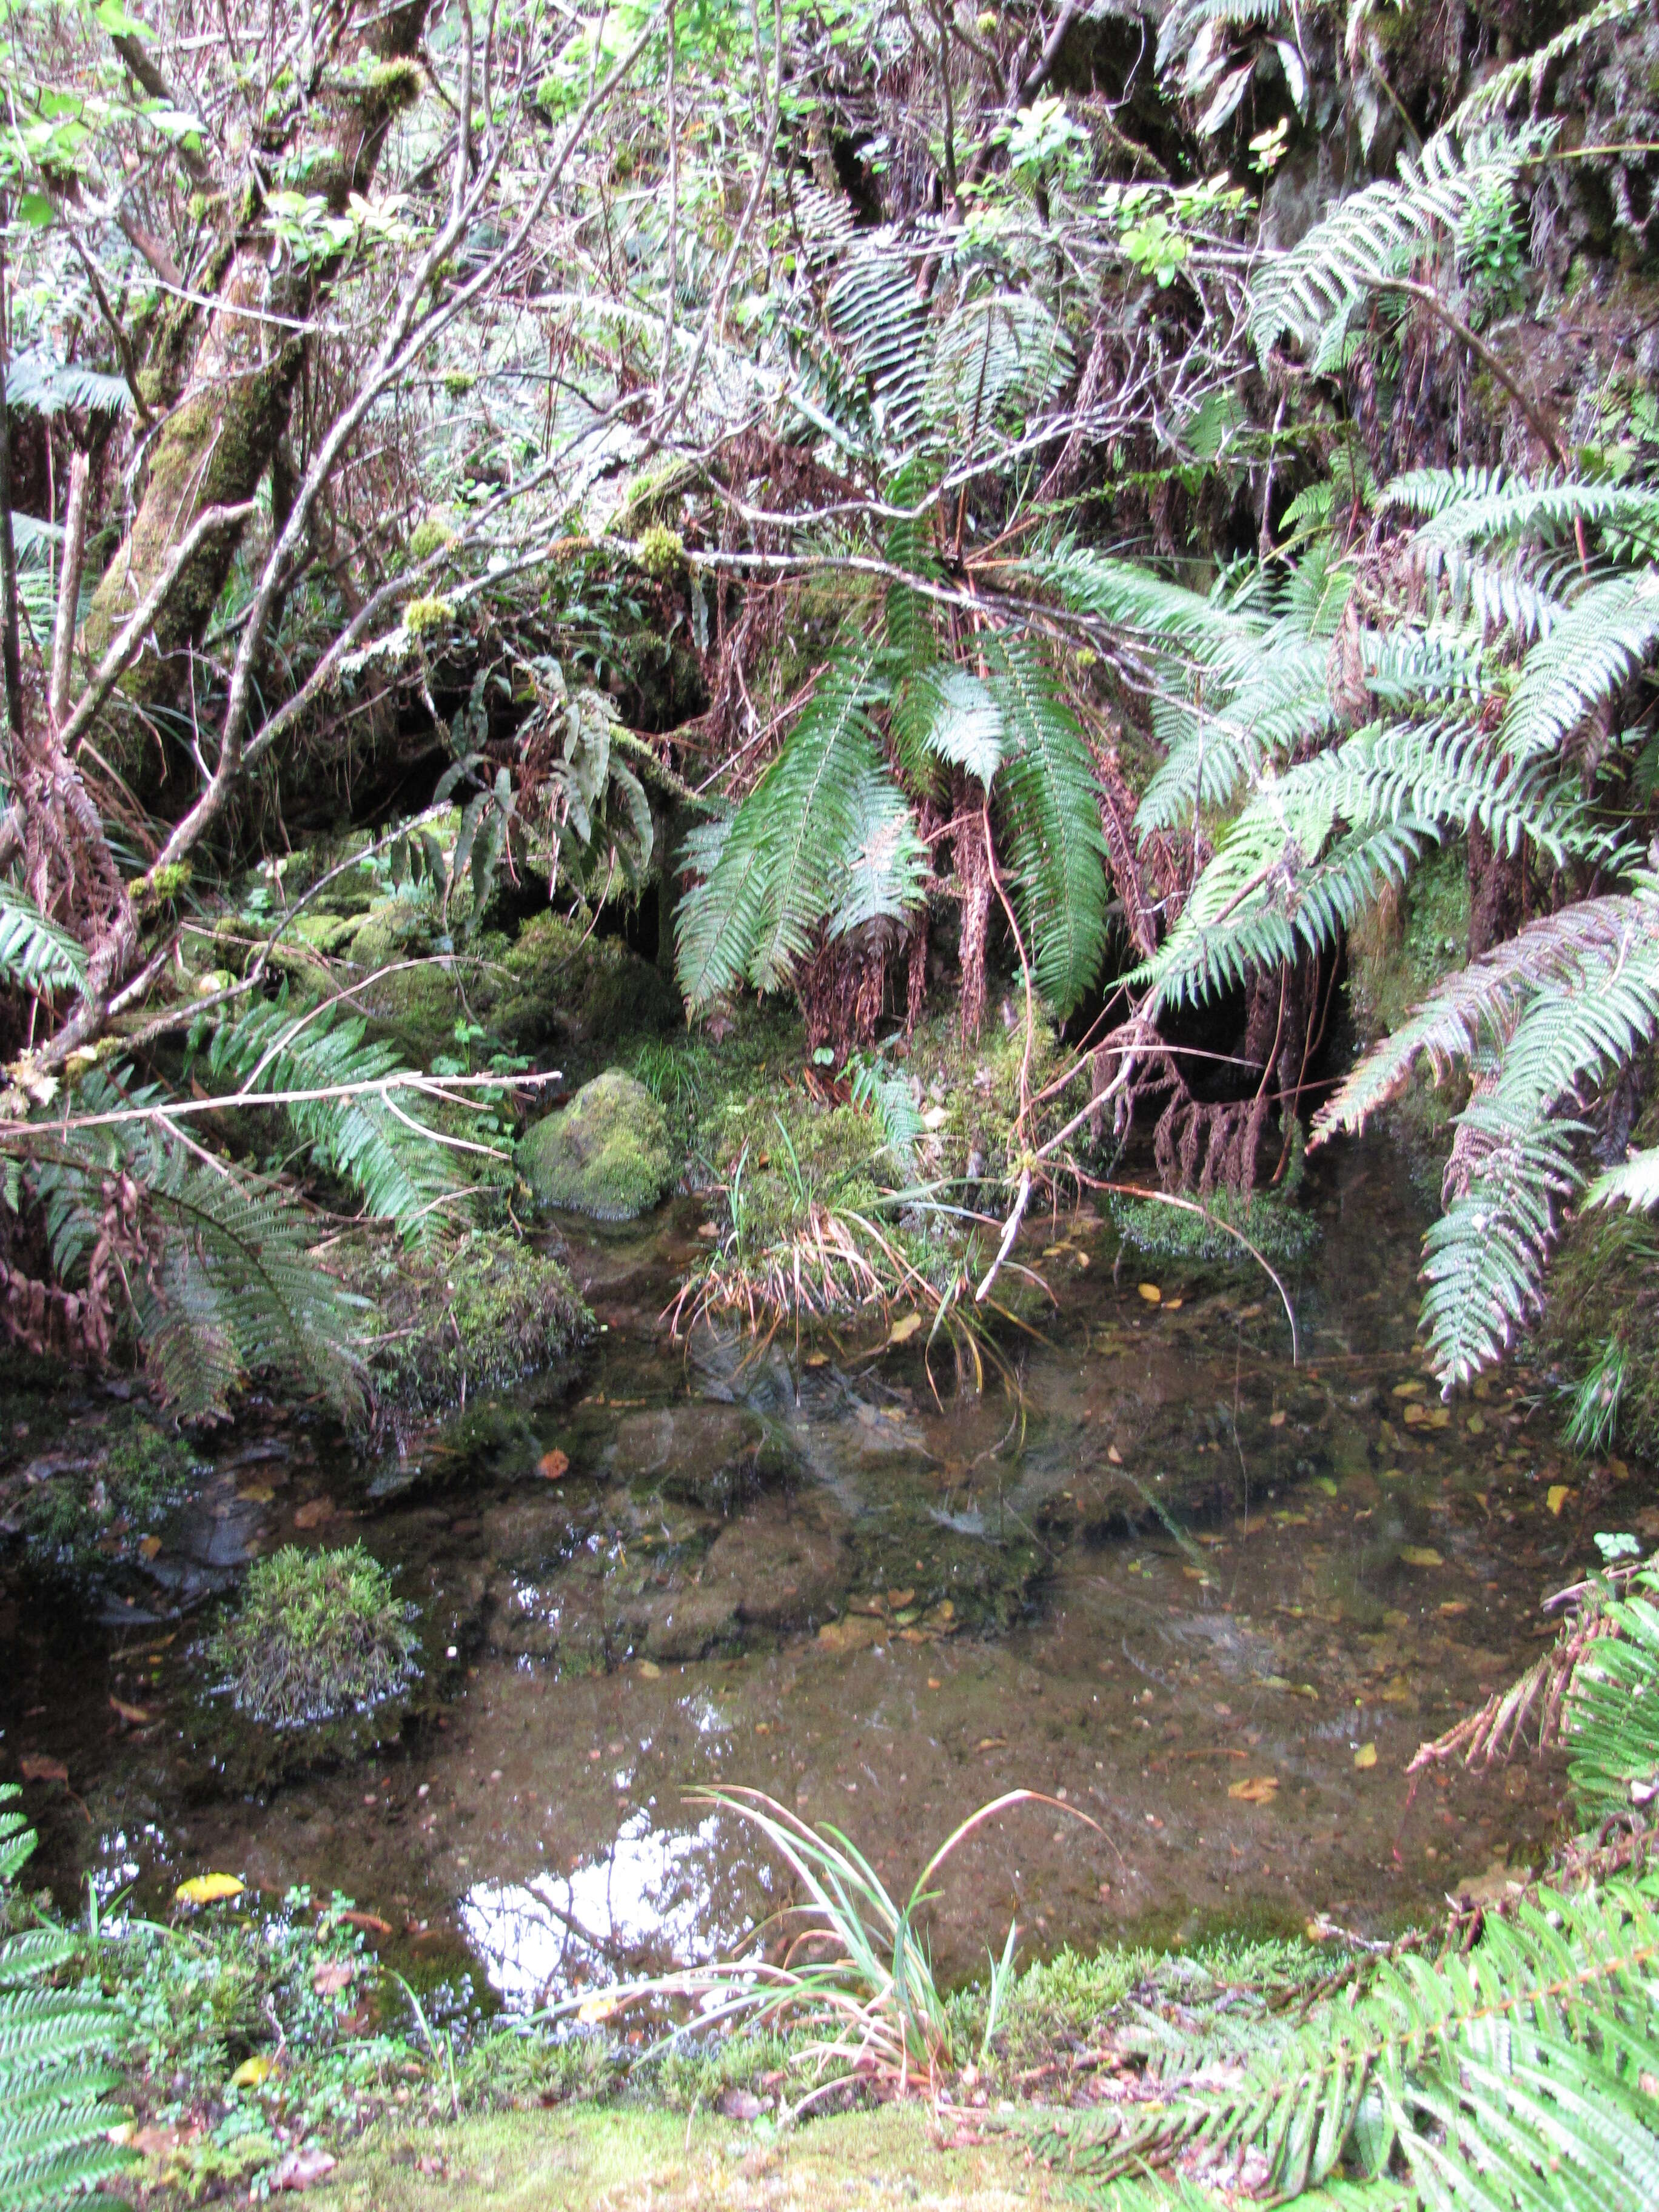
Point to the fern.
(35, 954)
(1515, 2073)
(824, 838)
(54, 2123)
(1367, 239)
(1048, 796)
(1557, 1009)
(386, 1156)
(1597, 645)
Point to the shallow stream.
(1211, 1601)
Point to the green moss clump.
(607, 1154)
(430, 535)
(497, 1311)
(92, 1517)
(317, 1633)
(423, 616)
(563, 981)
(659, 551)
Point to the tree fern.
(386, 1156)
(54, 2123)
(820, 837)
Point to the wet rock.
(690, 1623)
(703, 1454)
(787, 1564)
(606, 1154)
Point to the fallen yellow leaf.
(1258, 1789)
(903, 1329)
(1366, 1755)
(595, 2009)
(649, 1670)
(208, 1889)
(1421, 1555)
(252, 2071)
(1557, 1497)
(1150, 1292)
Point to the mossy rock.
(317, 1635)
(607, 1154)
(496, 1312)
(563, 981)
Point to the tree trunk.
(220, 437)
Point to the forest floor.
(900, 2154)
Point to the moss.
(432, 534)
(317, 1633)
(562, 980)
(659, 551)
(423, 616)
(606, 1154)
(634, 2156)
(1271, 1221)
(1401, 946)
(96, 1513)
(491, 1311)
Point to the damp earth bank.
(1206, 1599)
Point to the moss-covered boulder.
(559, 981)
(607, 1154)
(480, 1314)
(317, 1634)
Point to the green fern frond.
(1529, 74)
(1149, 608)
(35, 954)
(1608, 633)
(1634, 1182)
(1506, 2077)
(1483, 1261)
(1574, 952)
(880, 872)
(1474, 507)
(54, 2125)
(1050, 802)
(1368, 237)
(1313, 846)
(792, 853)
(947, 715)
(389, 1160)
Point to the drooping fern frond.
(1505, 85)
(386, 1156)
(1312, 846)
(1608, 633)
(209, 1263)
(1572, 951)
(55, 2144)
(1550, 1015)
(824, 836)
(1367, 238)
(35, 954)
(1474, 507)
(1047, 794)
(1634, 1182)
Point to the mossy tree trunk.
(229, 371)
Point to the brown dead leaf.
(300, 2169)
(332, 1977)
(553, 1466)
(311, 1515)
(135, 1714)
(35, 1767)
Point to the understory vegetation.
(866, 624)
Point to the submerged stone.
(606, 1154)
